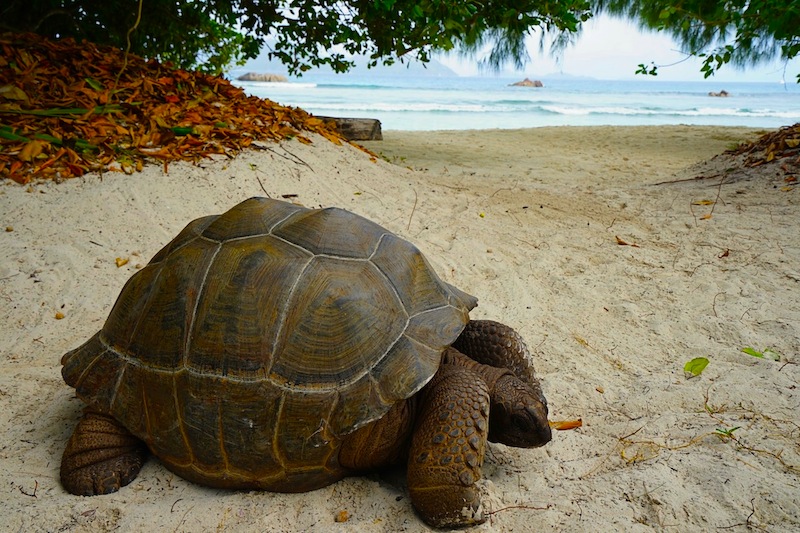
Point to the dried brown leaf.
(31, 151)
(564, 425)
(625, 243)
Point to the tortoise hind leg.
(447, 448)
(495, 344)
(101, 456)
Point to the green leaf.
(695, 367)
(753, 352)
(767, 353)
(180, 131)
(94, 84)
(62, 111)
(726, 432)
(6, 132)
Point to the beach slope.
(615, 280)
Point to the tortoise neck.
(490, 374)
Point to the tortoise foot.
(101, 456)
(447, 450)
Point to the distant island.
(527, 82)
(255, 76)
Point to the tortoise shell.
(256, 339)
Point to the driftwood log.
(357, 129)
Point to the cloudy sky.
(612, 48)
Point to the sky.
(611, 48)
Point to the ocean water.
(434, 103)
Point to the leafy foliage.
(301, 33)
(187, 33)
(212, 34)
(740, 32)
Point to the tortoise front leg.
(495, 344)
(447, 448)
(101, 456)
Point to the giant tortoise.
(282, 348)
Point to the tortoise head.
(518, 414)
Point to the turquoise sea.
(432, 103)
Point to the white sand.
(527, 221)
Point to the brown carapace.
(281, 348)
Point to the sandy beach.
(595, 243)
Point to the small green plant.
(726, 433)
(767, 353)
(695, 367)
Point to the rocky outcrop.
(528, 83)
(256, 76)
(723, 93)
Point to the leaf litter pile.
(772, 157)
(69, 108)
(784, 143)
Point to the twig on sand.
(490, 514)
(262, 186)
(294, 158)
(31, 494)
(414, 208)
(746, 523)
(684, 180)
(716, 200)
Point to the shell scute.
(239, 316)
(429, 327)
(159, 412)
(398, 373)
(302, 434)
(341, 320)
(332, 231)
(415, 282)
(94, 371)
(256, 216)
(192, 230)
(248, 427)
(356, 404)
(151, 318)
(200, 399)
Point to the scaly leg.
(101, 456)
(447, 448)
(498, 345)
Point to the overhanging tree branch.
(212, 34)
(738, 32)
